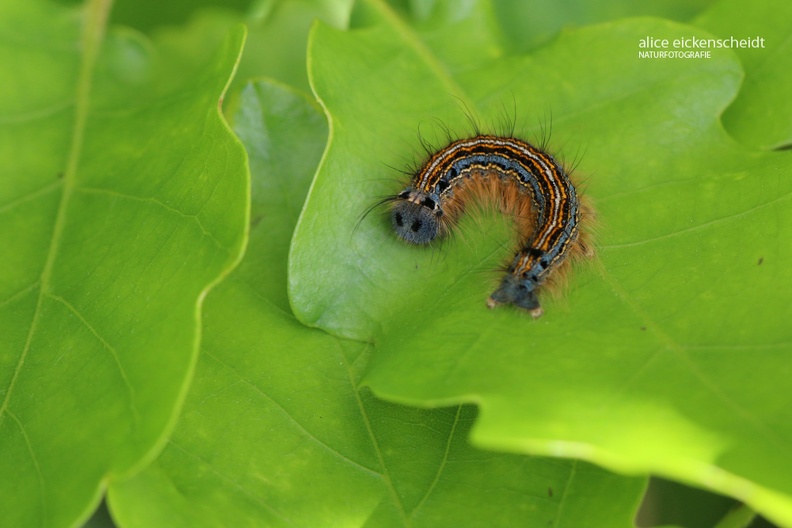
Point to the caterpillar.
(518, 179)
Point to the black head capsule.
(415, 218)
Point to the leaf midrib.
(409, 36)
(95, 13)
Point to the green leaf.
(530, 23)
(278, 37)
(148, 15)
(276, 431)
(760, 114)
(440, 23)
(275, 44)
(121, 202)
(669, 354)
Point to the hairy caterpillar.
(517, 178)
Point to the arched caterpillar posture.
(517, 178)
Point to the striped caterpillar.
(515, 177)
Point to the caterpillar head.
(416, 217)
(519, 292)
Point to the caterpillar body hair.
(516, 178)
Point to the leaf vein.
(192, 217)
(18, 294)
(35, 114)
(680, 351)
(109, 348)
(442, 465)
(232, 482)
(422, 50)
(562, 502)
(291, 418)
(43, 191)
(91, 39)
(385, 474)
(43, 496)
(700, 226)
